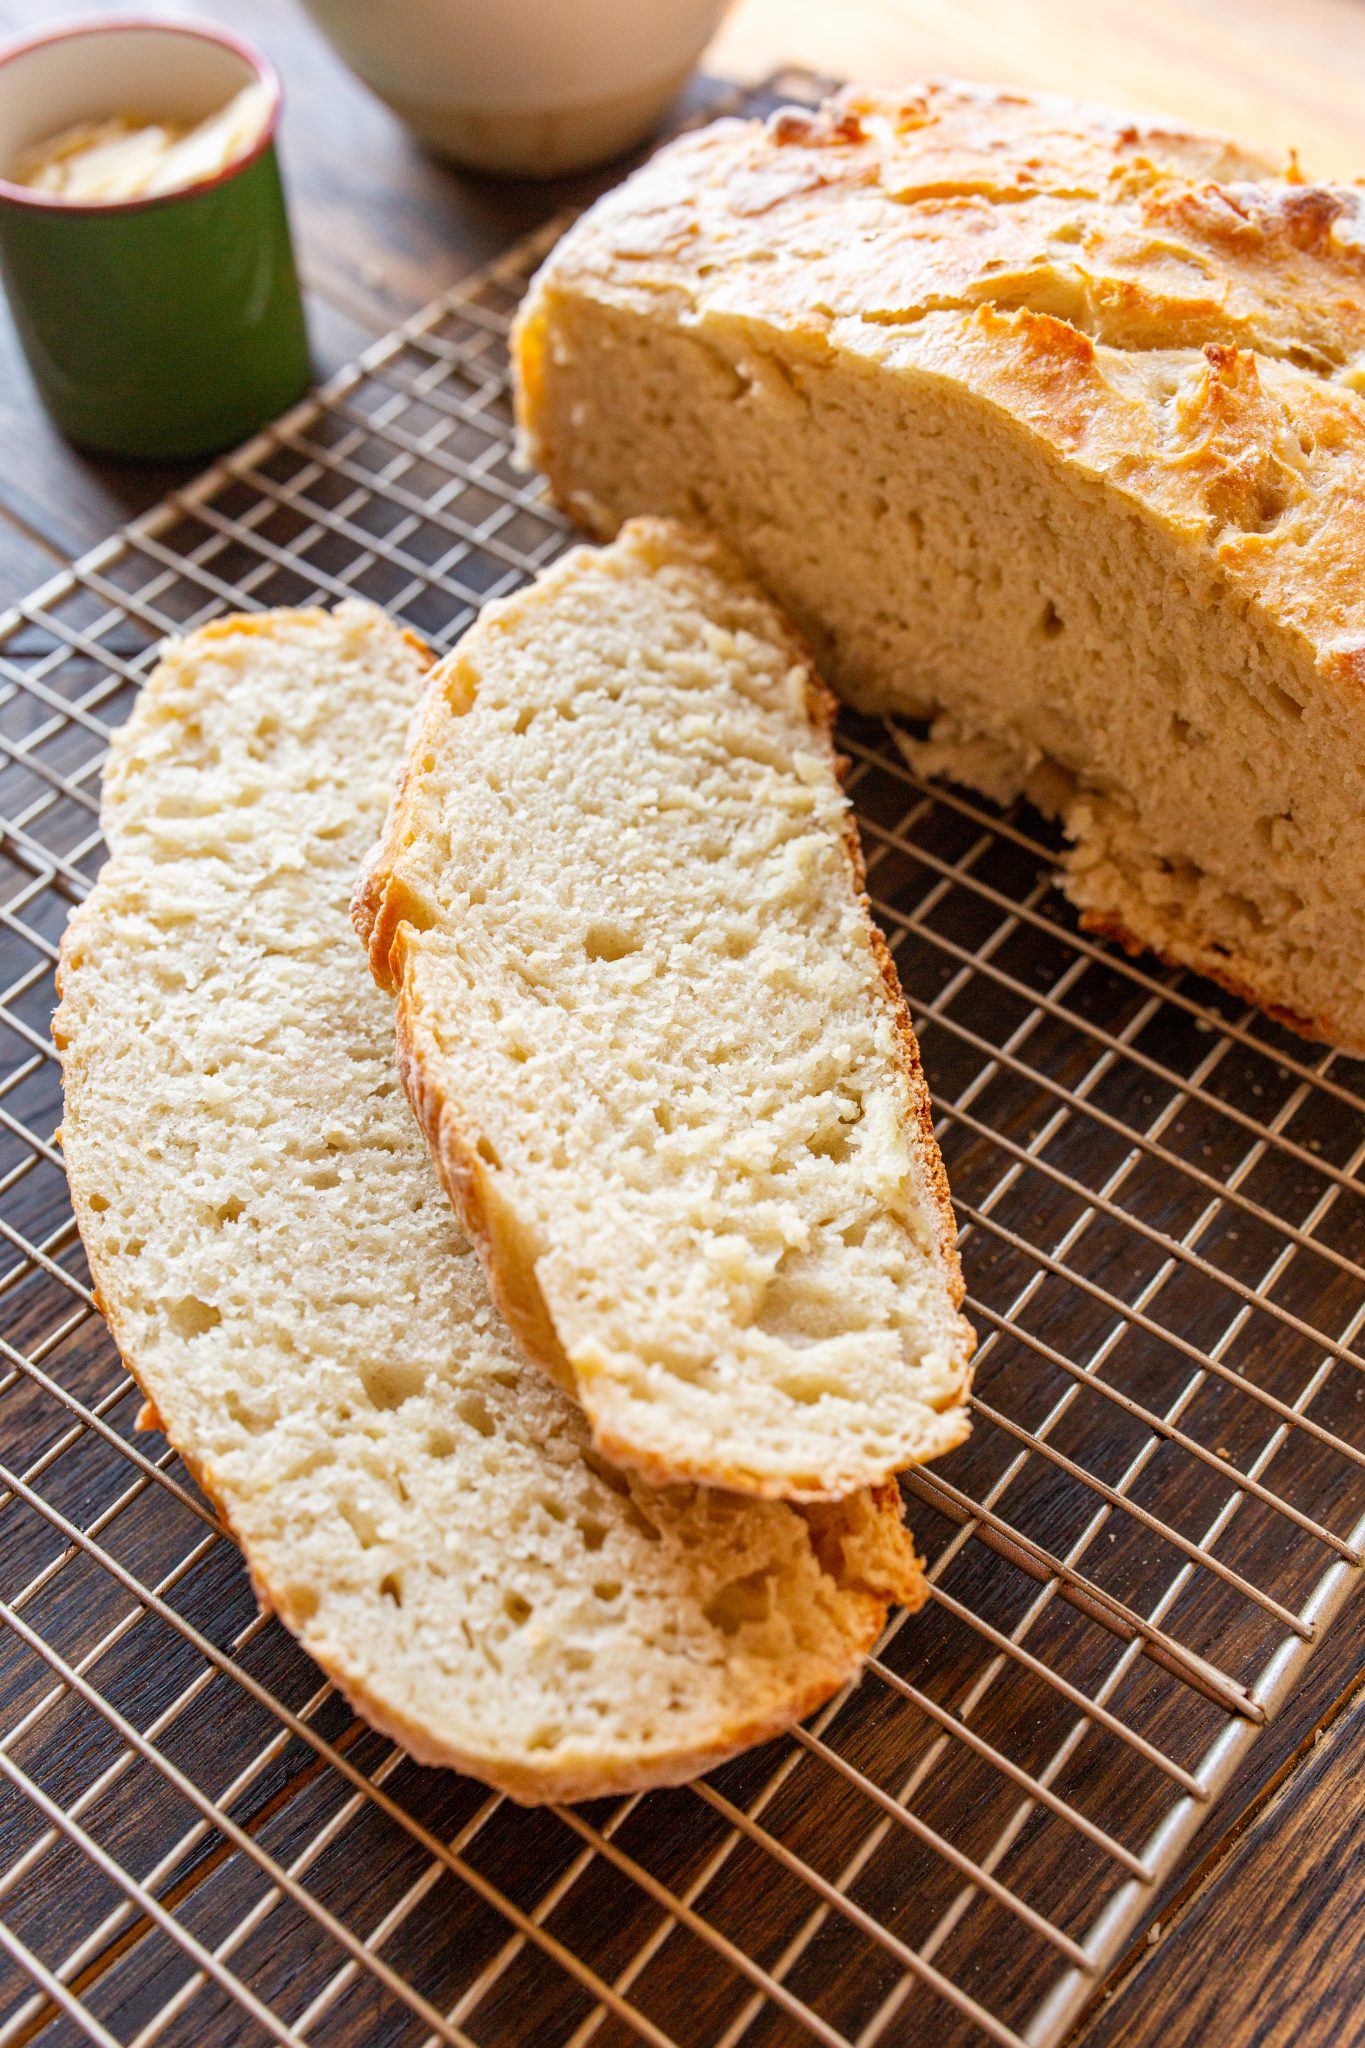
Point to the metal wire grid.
(1160, 1509)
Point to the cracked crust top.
(1176, 315)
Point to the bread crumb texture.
(660, 1054)
(286, 1280)
(1047, 428)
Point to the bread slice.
(1047, 426)
(285, 1279)
(656, 1044)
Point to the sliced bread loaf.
(285, 1279)
(1046, 425)
(657, 1046)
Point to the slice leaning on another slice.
(285, 1279)
(656, 1044)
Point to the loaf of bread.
(285, 1279)
(657, 1046)
(1047, 428)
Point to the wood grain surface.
(1267, 1946)
(1258, 1939)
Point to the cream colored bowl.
(530, 86)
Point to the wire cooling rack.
(1157, 1515)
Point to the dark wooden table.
(1263, 1940)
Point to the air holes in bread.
(189, 1317)
(740, 1601)
(793, 1306)
(473, 1409)
(388, 1384)
(806, 1388)
(606, 941)
(1287, 706)
(831, 1141)
(362, 1523)
(252, 1420)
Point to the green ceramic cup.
(155, 328)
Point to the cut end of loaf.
(1046, 424)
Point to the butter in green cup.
(155, 328)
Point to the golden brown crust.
(1157, 236)
(380, 905)
(1157, 315)
(833, 1487)
(1047, 256)
(464, 1176)
(931, 1159)
(823, 706)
